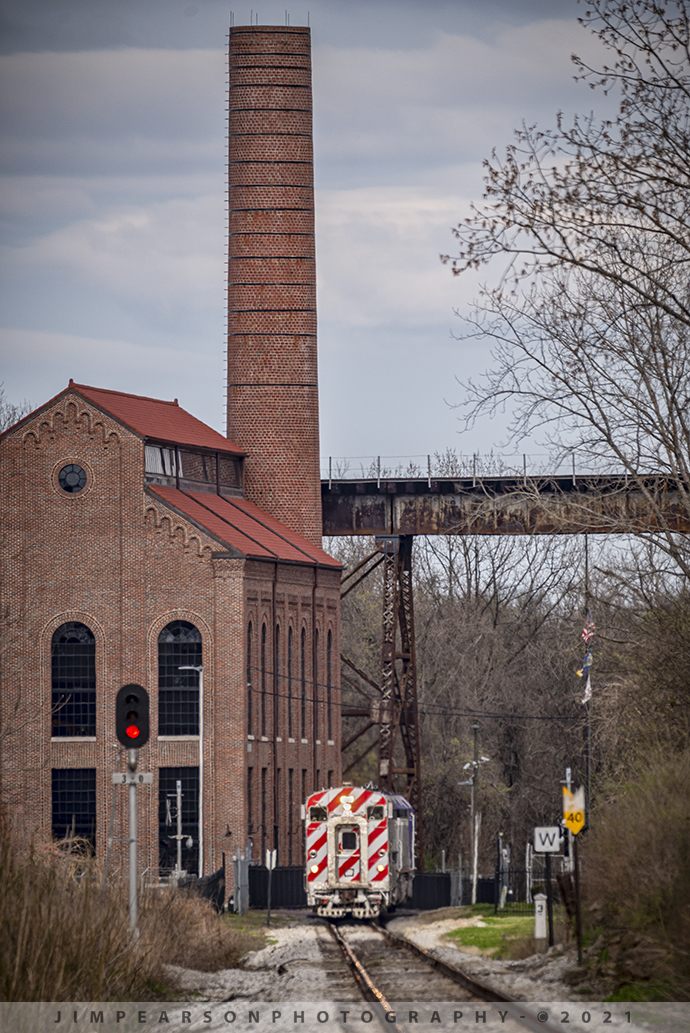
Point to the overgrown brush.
(638, 858)
(64, 939)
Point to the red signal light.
(132, 716)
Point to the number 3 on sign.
(574, 809)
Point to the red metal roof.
(156, 418)
(243, 526)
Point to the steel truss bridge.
(395, 509)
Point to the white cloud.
(453, 100)
(165, 254)
(379, 259)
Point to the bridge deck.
(503, 505)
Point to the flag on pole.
(588, 691)
(588, 630)
(587, 635)
(584, 670)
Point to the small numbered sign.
(574, 809)
(138, 777)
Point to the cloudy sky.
(112, 196)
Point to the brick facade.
(272, 349)
(117, 560)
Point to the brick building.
(129, 552)
(138, 541)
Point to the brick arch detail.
(176, 529)
(52, 422)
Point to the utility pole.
(473, 813)
(132, 764)
(475, 816)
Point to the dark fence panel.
(211, 887)
(430, 890)
(486, 890)
(287, 886)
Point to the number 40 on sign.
(574, 809)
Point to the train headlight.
(312, 853)
(380, 867)
(314, 868)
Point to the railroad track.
(389, 970)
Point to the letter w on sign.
(547, 839)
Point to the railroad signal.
(132, 716)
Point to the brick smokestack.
(273, 406)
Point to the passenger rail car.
(359, 851)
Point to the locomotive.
(359, 851)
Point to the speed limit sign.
(574, 809)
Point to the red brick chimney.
(273, 406)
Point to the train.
(360, 851)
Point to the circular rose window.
(72, 478)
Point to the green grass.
(648, 991)
(498, 934)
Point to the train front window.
(318, 814)
(348, 841)
(375, 813)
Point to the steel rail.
(369, 991)
(517, 1011)
(486, 993)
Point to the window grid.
(167, 817)
(263, 679)
(303, 675)
(316, 685)
(74, 804)
(263, 815)
(249, 681)
(73, 681)
(304, 800)
(291, 817)
(179, 644)
(250, 812)
(329, 688)
(289, 681)
(276, 683)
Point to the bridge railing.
(459, 464)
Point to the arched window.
(303, 676)
(249, 680)
(263, 679)
(289, 683)
(316, 686)
(276, 683)
(329, 688)
(73, 680)
(179, 645)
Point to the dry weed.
(63, 938)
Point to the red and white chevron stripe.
(347, 801)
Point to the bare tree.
(591, 316)
(10, 413)
(497, 624)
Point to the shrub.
(64, 939)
